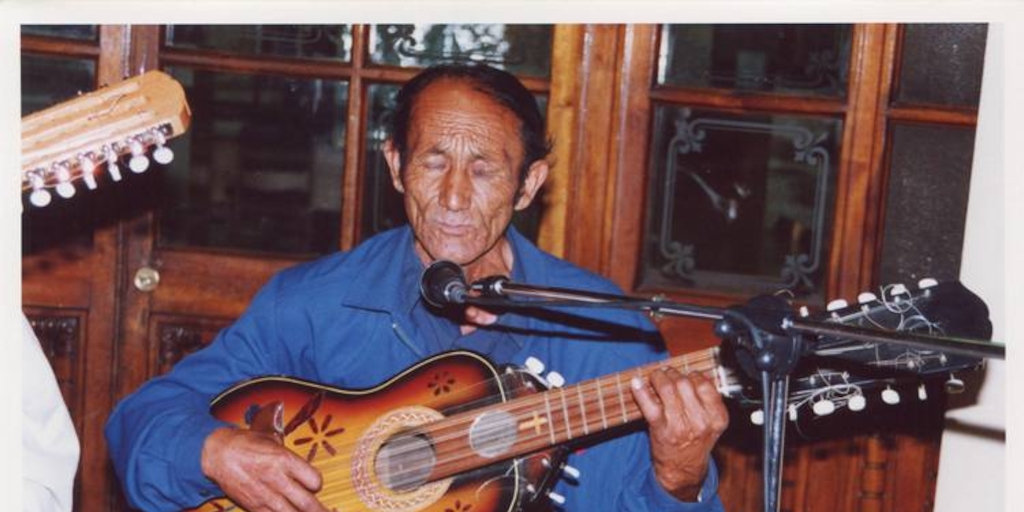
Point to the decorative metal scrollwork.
(690, 137)
(178, 341)
(483, 43)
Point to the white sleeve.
(49, 444)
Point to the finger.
(665, 383)
(649, 404)
(304, 473)
(301, 498)
(479, 316)
(713, 404)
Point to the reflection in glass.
(926, 208)
(383, 206)
(45, 82)
(82, 32)
(739, 203)
(942, 64)
(333, 42)
(520, 49)
(260, 168)
(805, 59)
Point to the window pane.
(740, 203)
(520, 49)
(83, 32)
(332, 42)
(45, 82)
(260, 168)
(929, 178)
(804, 59)
(383, 206)
(942, 64)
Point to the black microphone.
(443, 283)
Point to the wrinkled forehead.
(453, 105)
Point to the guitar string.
(332, 493)
(458, 424)
(530, 402)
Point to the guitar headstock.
(73, 140)
(836, 372)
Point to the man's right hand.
(256, 472)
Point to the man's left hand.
(686, 416)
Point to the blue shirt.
(353, 320)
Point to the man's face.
(461, 176)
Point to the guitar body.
(341, 432)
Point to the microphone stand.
(765, 327)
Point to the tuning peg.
(570, 472)
(138, 163)
(866, 298)
(836, 305)
(112, 168)
(757, 417)
(534, 365)
(898, 289)
(804, 312)
(922, 392)
(792, 412)
(555, 379)
(823, 407)
(890, 396)
(39, 197)
(88, 167)
(64, 187)
(162, 154)
(955, 386)
(856, 403)
(556, 498)
(927, 282)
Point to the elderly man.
(467, 149)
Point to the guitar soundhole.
(405, 461)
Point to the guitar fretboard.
(556, 416)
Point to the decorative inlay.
(442, 383)
(58, 335)
(371, 491)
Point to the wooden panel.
(562, 118)
(588, 211)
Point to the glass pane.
(942, 64)
(740, 203)
(804, 59)
(383, 206)
(520, 49)
(332, 42)
(260, 168)
(929, 178)
(84, 32)
(45, 82)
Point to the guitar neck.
(554, 417)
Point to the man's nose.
(456, 189)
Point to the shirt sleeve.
(156, 434)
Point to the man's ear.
(535, 177)
(394, 161)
